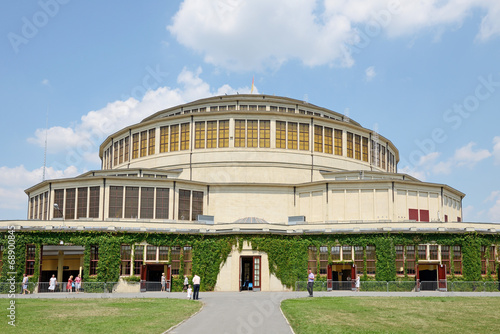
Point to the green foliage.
(386, 258)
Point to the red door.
(329, 278)
(256, 273)
(442, 277)
(353, 276)
(143, 278)
(168, 278)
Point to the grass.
(393, 314)
(96, 315)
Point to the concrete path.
(244, 312)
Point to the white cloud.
(494, 211)
(496, 150)
(45, 82)
(245, 35)
(370, 73)
(466, 156)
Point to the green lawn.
(393, 314)
(96, 315)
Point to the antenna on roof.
(45, 149)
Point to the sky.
(425, 74)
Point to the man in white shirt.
(310, 283)
(196, 286)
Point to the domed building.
(249, 165)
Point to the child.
(189, 291)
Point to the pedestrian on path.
(78, 283)
(53, 283)
(163, 281)
(196, 287)
(186, 283)
(310, 283)
(25, 284)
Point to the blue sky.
(424, 74)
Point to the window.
(138, 259)
(350, 138)
(304, 137)
(135, 146)
(292, 136)
(152, 142)
(338, 142)
(358, 259)
(445, 258)
(265, 133)
(400, 260)
(370, 260)
(70, 203)
(457, 260)
(410, 260)
(131, 202)
(280, 134)
(30, 259)
(223, 133)
(162, 199)
(239, 133)
(150, 253)
(115, 154)
(59, 200)
(382, 158)
(94, 259)
(94, 202)
(328, 140)
(126, 257)
(164, 139)
(318, 138)
(32, 208)
(365, 149)
(335, 251)
(312, 262)
(491, 261)
(162, 253)
(174, 138)
(127, 148)
(199, 135)
(424, 215)
(433, 252)
(120, 160)
(184, 201)
(252, 133)
(45, 206)
(212, 134)
(147, 202)
(82, 203)
(115, 202)
(422, 252)
(175, 261)
(185, 130)
(144, 143)
(188, 260)
(357, 147)
(346, 253)
(197, 207)
(323, 260)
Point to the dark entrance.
(250, 273)
(151, 277)
(340, 276)
(428, 276)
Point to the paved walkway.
(245, 312)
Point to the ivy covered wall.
(288, 255)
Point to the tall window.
(120, 160)
(365, 149)
(323, 260)
(350, 138)
(126, 257)
(357, 147)
(304, 137)
(411, 260)
(370, 260)
(199, 135)
(175, 260)
(313, 259)
(197, 204)
(82, 203)
(328, 140)
(94, 259)
(70, 203)
(318, 138)
(265, 133)
(292, 136)
(115, 154)
(252, 133)
(358, 259)
(162, 253)
(174, 138)
(335, 251)
(144, 143)
(338, 142)
(94, 202)
(457, 260)
(280, 134)
(212, 134)
(138, 258)
(162, 196)
(491, 261)
(400, 260)
(147, 202)
(185, 130)
(45, 206)
(127, 148)
(346, 253)
(164, 139)
(30, 259)
(433, 252)
(59, 200)
(152, 141)
(382, 157)
(445, 258)
(224, 133)
(188, 260)
(115, 202)
(184, 201)
(131, 202)
(422, 252)
(135, 146)
(150, 253)
(239, 133)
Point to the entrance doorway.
(341, 276)
(62, 261)
(431, 276)
(151, 277)
(250, 273)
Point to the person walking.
(310, 283)
(189, 291)
(25, 284)
(163, 281)
(196, 287)
(69, 286)
(78, 283)
(186, 283)
(53, 283)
